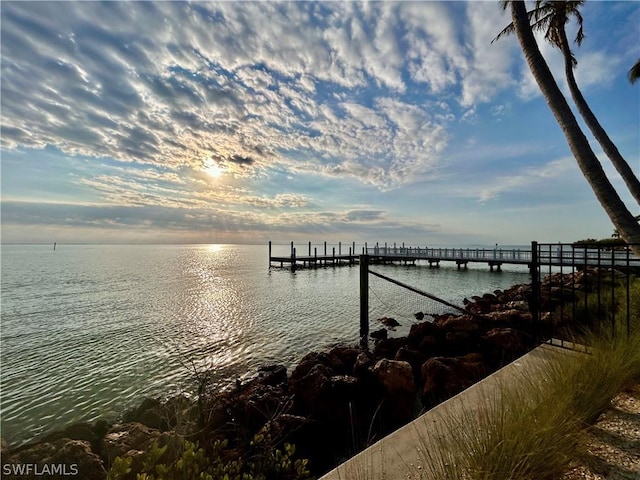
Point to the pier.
(314, 259)
(551, 255)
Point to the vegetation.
(586, 159)
(187, 461)
(531, 429)
(634, 72)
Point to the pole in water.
(54, 245)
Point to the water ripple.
(88, 331)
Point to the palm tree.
(587, 161)
(551, 17)
(634, 73)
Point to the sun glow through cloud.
(213, 169)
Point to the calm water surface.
(88, 331)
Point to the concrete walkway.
(398, 456)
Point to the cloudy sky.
(246, 122)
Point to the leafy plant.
(190, 462)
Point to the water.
(88, 331)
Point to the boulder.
(397, 381)
(462, 323)
(395, 376)
(389, 347)
(389, 322)
(381, 334)
(256, 402)
(504, 317)
(458, 343)
(309, 385)
(127, 439)
(421, 330)
(341, 359)
(363, 361)
(91, 433)
(272, 375)
(444, 377)
(502, 345)
(415, 358)
(61, 458)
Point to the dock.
(551, 255)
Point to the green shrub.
(190, 462)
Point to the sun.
(213, 169)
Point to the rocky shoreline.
(334, 402)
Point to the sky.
(244, 122)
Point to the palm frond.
(634, 73)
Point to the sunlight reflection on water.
(88, 331)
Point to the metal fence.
(574, 287)
(583, 286)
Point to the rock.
(395, 376)
(463, 323)
(272, 374)
(82, 431)
(61, 458)
(341, 359)
(504, 316)
(389, 322)
(381, 334)
(396, 379)
(150, 413)
(414, 358)
(503, 345)
(458, 343)
(127, 438)
(310, 385)
(388, 348)
(520, 305)
(285, 428)
(444, 377)
(363, 361)
(430, 345)
(256, 402)
(420, 330)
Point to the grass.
(531, 429)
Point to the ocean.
(88, 331)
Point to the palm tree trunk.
(587, 161)
(620, 164)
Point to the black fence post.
(364, 301)
(534, 303)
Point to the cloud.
(528, 178)
(247, 83)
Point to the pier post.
(364, 301)
(325, 249)
(309, 248)
(269, 253)
(293, 258)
